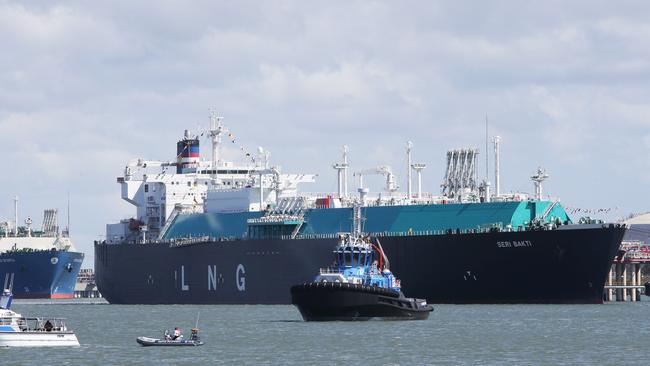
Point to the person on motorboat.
(168, 337)
(177, 334)
(195, 334)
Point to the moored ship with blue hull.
(40, 264)
(41, 274)
(217, 233)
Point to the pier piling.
(623, 284)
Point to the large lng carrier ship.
(212, 232)
(38, 264)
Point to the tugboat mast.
(357, 224)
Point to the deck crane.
(386, 171)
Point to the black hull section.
(548, 266)
(344, 301)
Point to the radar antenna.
(538, 178)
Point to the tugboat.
(359, 286)
(19, 331)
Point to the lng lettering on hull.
(213, 280)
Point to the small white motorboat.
(19, 331)
(168, 341)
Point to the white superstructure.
(13, 237)
(161, 190)
(205, 186)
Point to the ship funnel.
(187, 154)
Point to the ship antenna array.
(539, 177)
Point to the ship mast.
(342, 170)
(409, 188)
(497, 159)
(418, 169)
(538, 178)
(216, 130)
(345, 171)
(16, 216)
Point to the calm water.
(611, 334)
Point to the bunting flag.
(590, 211)
(233, 140)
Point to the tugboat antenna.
(357, 221)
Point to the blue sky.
(86, 86)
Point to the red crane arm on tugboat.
(380, 251)
(383, 257)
